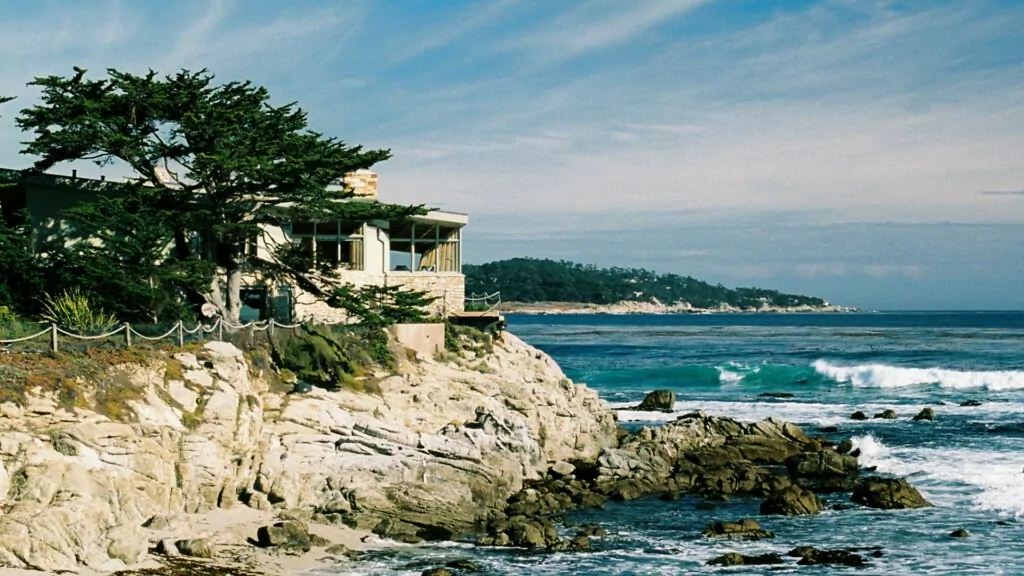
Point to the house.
(422, 253)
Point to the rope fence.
(484, 303)
(128, 335)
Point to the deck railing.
(484, 303)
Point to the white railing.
(485, 303)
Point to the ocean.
(969, 462)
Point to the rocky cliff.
(434, 451)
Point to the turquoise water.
(969, 462)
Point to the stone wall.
(448, 287)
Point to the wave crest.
(884, 376)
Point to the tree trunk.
(233, 310)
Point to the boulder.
(810, 556)
(167, 548)
(735, 559)
(887, 494)
(437, 572)
(844, 447)
(888, 414)
(821, 465)
(744, 528)
(463, 565)
(592, 532)
(858, 415)
(658, 401)
(562, 468)
(925, 414)
(196, 548)
(792, 501)
(775, 395)
(289, 534)
(959, 533)
(970, 403)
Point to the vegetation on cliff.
(537, 280)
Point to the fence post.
(53, 338)
(220, 329)
(270, 330)
(128, 334)
(181, 334)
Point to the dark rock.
(669, 496)
(437, 572)
(302, 388)
(855, 453)
(858, 415)
(592, 532)
(398, 531)
(810, 556)
(658, 401)
(744, 528)
(925, 414)
(970, 403)
(289, 534)
(734, 559)
(1003, 523)
(889, 414)
(821, 465)
(579, 544)
(887, 494)
(195, 547)
(463, 565)
(840, 506)
(706, 506)
(775, 395)
(829, 429)
(845, 447)
(792, 501)
(959, 533)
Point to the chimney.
(363, 183)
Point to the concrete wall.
(425, 339)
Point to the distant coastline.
(655, 308)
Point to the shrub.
(73, 311)
(333, 358)
(7, 315)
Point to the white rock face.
(437, 447)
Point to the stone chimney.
(363, 183)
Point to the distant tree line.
(537, 280)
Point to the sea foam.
(991, 480)
(884, 376)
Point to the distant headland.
(541, 286)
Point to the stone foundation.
(448, 287)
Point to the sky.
(868, 152)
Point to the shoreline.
(657, 308)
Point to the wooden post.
(53, 338)
(181, 334)
(220, 329)
(128, 334)
(270, 330)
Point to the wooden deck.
(478, 319)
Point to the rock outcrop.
(437, 448)
(657, 401)
(887, 494)
(745, 528)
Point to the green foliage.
(460, 339)
(23, 274)
(221, 161)
(535, 280)
(74, 311)
(382, 306)
(8, 315)
(333, 359)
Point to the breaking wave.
(884, 376)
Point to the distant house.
(422, 253)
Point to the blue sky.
(871, 153)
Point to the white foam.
(796, 412)
(990, 480)
(884, 376)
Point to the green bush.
(7, 315)
(73, 311)
(333, 358)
